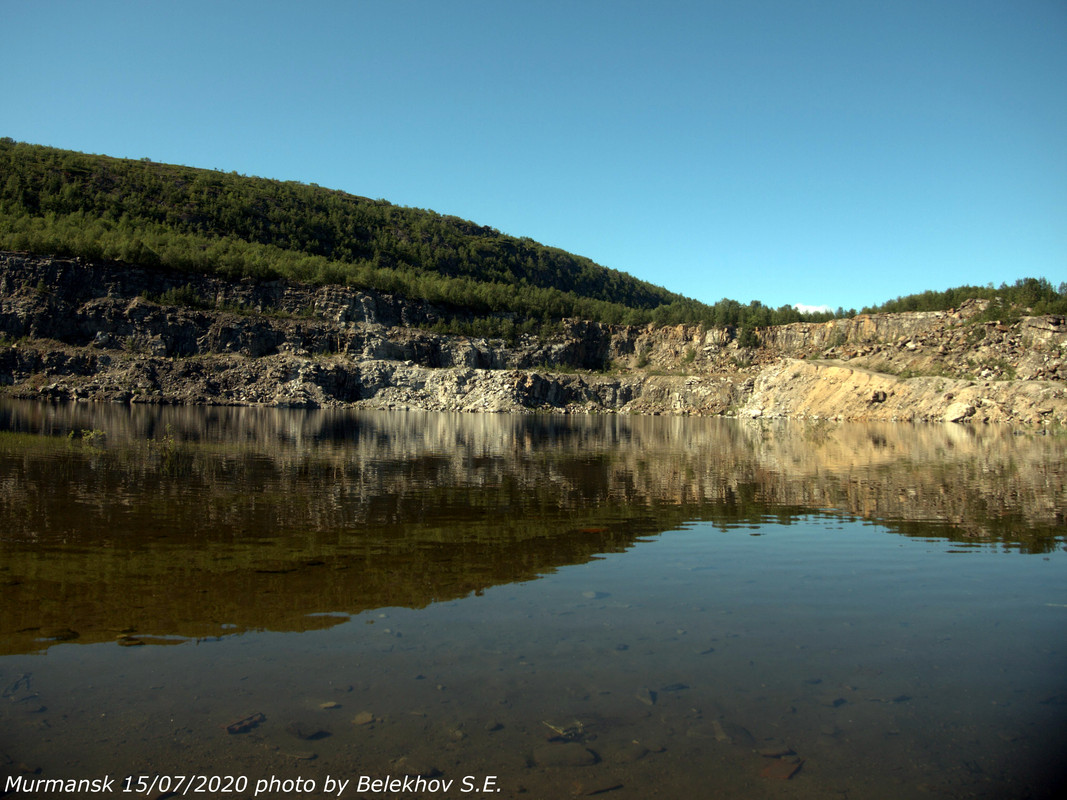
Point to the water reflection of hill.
(194, 522)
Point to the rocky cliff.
(111, 332)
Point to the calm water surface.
(538, 606)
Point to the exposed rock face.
(795, 388)
(75, 330)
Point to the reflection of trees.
(185, 520)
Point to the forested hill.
(60, 202)
(142, 212)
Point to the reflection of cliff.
(976, 483)
(198, 522)
(250, 466)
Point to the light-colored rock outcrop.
(794, 388)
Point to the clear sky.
(838, 153)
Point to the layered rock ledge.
(109, 332)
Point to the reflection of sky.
(850, 643)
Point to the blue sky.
(838, 153)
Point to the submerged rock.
(782, 769)
(306, 730)
(567, 754)
(646, 696)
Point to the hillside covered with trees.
(61, 202)
(65, 203)
(1033, 295)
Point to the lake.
(289, 603)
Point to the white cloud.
(803, 309)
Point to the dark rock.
(306, 730)
(646, 696)
(568, 754)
